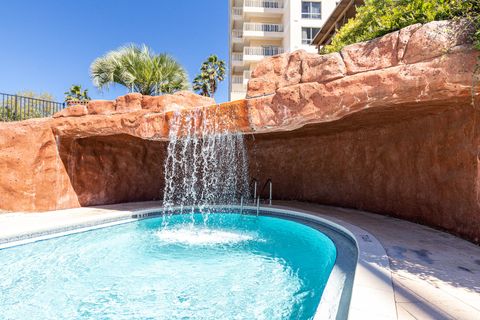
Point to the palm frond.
(138, 68)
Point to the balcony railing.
(262, 51)
(247, 74)
(237, 79)
(274, 4)
(237, 11)
(263, 27)
(237, 34)
(236, 56)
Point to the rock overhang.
(417, 67)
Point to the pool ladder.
(256, 197)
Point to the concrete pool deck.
(435, 275)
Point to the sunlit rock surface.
(410, 68)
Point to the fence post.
(15, 113)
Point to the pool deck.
(435, 275)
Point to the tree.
(140, 70)
(211, 74)
(378, 17)
(75, 94)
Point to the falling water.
(206, 162)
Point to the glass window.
(311, 10)
(308, 34)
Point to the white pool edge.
(372, 293)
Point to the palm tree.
(211, 74)
(140, 70)
(76, 94)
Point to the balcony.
(237, 59)
(247, 74)
(237, 13)
(238, 83)
(262, 30)
(237, 79)
(263, 8)
(254, 54)
(237, 36)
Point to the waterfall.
(206, 162)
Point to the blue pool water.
(230, 267)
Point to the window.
(308, 34)
(311, 10)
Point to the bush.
(8, 113)
(379, 17)
(26, 105)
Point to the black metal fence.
(16, 108)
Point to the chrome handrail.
(270, 184)
(241, 205)
(254, 182)
(258, 205)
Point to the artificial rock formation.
(104, 152)
(290, 90)
(388, 126)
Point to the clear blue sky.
(48, 45)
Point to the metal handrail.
(258, 205)
(263, 27)
(237, 33)
(254, 181)
(237, 56)
(237, 11)
(270, 184)
(272, 4)
(263, 51)
(237, 79)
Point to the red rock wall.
(114, 169)
(386, 125)
(32, 176)
(105, 152)
(422, 169)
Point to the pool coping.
(372, 293)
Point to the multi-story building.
(261, 28)
(344, 11)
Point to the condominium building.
(261, 28)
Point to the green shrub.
(379, 17)
(28, 105)
(8, 113)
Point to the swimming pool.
(229, 267)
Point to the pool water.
(230, 267)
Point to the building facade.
(345, 10)
(261, 28)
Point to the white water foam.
(194, 236)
